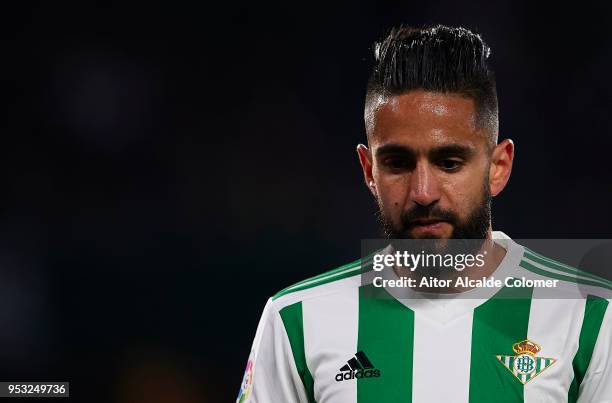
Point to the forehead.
(422, 118)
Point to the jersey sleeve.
(271, 373)
(596, 386)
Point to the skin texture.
(425, 150)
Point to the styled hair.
(437, 59)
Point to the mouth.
(425, 222)
(428, 226)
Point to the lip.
(428, 226)
(426, 221)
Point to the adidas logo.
(356, 368)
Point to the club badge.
(524, 365)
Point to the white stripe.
(554, 324)
(441, 366)
(330, 340)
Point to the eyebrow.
(453, 149)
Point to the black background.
(166, 168)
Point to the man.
(433, 163)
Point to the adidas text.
(360, 373)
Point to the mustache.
(427, 212)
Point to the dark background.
(166, 168)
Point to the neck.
(491, 254)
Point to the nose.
(424, 189)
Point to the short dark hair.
(438, 59)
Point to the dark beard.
(469, 233)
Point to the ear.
(501, 166)
(365, 158)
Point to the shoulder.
(341, 280)
(569, 277)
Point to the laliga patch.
(247, 382)
(524, 364)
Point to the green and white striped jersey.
(332, 338)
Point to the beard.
(467, 235)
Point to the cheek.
(464, 194)
(392, 195)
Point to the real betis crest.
(524, 365)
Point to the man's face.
(428, 166)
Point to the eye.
(450, 164)
(396, 163)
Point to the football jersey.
(337, 338)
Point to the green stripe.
(325, 274)
(294, 325)
(528, 266)
(497, 325)
(354, 270)
(594, 311)
(366, 260)
(543, 260)
(386, 335)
